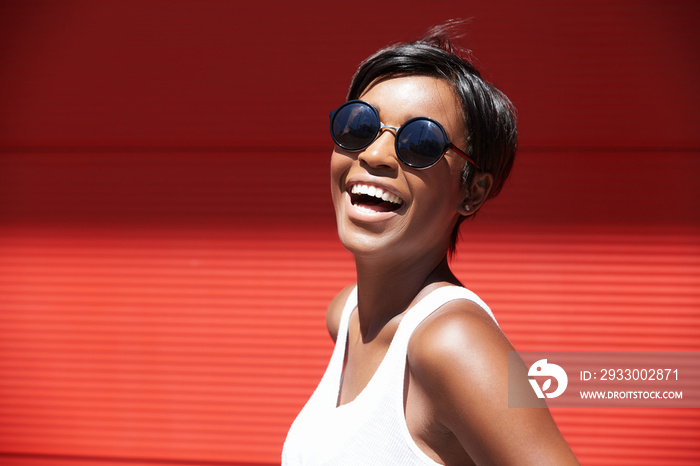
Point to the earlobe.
(477, 194)
(465, 208)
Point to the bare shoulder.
(458, 359)
(335, 310)
(458, 335)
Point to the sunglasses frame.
(396, 130)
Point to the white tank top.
(371, 429)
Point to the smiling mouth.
(374, 198)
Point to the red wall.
(167, 242)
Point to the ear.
(476, 194)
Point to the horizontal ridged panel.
(111, 352)
(112, 349)
(170, 306)
(62, 460)
(632, 436)
(188, 190)
(166, 304)
(604, 73)
(598, 291)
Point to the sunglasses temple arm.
(456, 149)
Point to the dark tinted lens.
(354, 126)
(420, 143)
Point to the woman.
(419, 371)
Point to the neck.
(386, 289)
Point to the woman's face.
(420, 207)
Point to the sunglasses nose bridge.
(383, 127)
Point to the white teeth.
(375, 191)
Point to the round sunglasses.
(419, 143)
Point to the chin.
(363, 243)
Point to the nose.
(381, 153)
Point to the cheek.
(438, 195)
(441, 182)
(341, 161)
(338, 169)
(456, 187)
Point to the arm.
(458, 358)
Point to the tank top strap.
(393, 375)
(344, 324)
(331, 379)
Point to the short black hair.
(490, 117)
